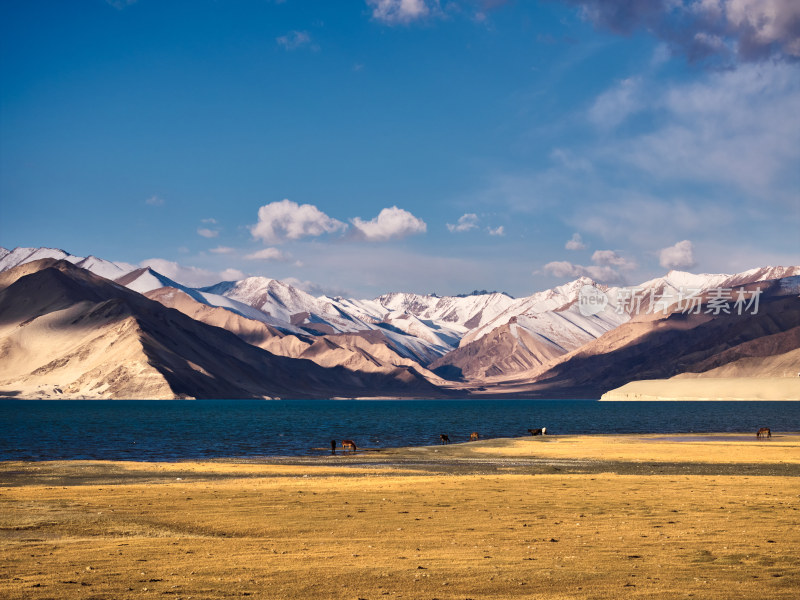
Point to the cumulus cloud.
(679, 256)
(222, 250)
(286, 220)
(465, 223)
(498, 231)
(739, 29)
(154, 201)
(607, 267)
(270, 254)
(190, 276)
(209, 221)
(391, 223)
(402, 11)
(611, 258)
(603, 274)
(575, 242)
(207, 233)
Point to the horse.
(541, 431)
(473, 437)
(348, 445)
(444, 438)
(764, 432)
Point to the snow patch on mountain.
(98, 266)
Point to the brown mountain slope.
(504, 350)
(67, 333)
(657, 347)
(251, 331)
(364, 352)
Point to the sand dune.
(709, 388)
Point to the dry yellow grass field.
(367, 531)
(706, 448)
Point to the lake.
(197, 429)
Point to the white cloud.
(391, 223)
(609, 257)
(603, 274)
(498, 231)
(222, 250)
(207, 233)
(738, 126)
(647, 221)
(764, 23)
(154, 201)
(613, 106)
(294, 40)
(402, 11)
(272, 254)
(679, 256)
(190, 276)
(465, 223)
(286, 220)
(731, 29)
(575, 243)
(209, 221)
(231, 275)
(607, 268)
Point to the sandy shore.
(711, 516)
(709, 388)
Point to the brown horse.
(445, 439)
(473, 437)
(348, 445)
(541, 431)
(764, 432)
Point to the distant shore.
(719, 389)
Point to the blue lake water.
(174, 430)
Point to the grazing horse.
(444, 438)
(473, 437)
(348, 445)
(541, 431)
(764, 432)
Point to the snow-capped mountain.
(98, 266)
(287, 303)
(535, 330)
(146, 280)
(477, 335)
(323, 315)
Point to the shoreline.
(547, 517)
(685, 388)
(649, 453)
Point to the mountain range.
(85, 327)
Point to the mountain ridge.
(474, 344)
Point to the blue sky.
(377, 145)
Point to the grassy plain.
(370, 526)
